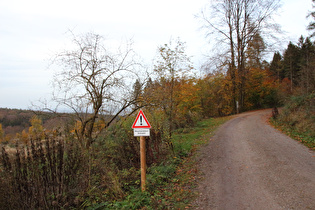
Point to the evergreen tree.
(307, 65)
(255, 50)
(311, 26)
(137, 92)
(276, 66)
(291, 67)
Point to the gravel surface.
(250, 165)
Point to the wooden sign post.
(142, 162)
(141, 128)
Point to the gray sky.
(32, 31)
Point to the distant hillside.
(16, 120)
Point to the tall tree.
(307, 65)
(276, 66)
(291, 60)
(96, 81)
(255, 52)
(237, 22)
(311, 26)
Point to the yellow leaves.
(261, 88)
(174, 98)
(77, 127)
(36, 130)
(98, 126)
(37, 126)
(24, 137)
(187, 98)
(216, 94)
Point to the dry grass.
(43, 174)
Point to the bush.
(299, 114)
(297, 119)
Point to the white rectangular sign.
(141, 131)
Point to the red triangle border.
(144, 117)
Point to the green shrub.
(299, 114)
(297, 119)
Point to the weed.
(44, 174)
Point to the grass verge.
(297, 119)
(302, 137)
(171, 185)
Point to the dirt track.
(250, 165)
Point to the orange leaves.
(77, 127)
(187, 98)
(24, 137)
(286, 86)
(215, 92)
(261, 89)
(174, 98)
(99, 125)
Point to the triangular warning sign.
(141, 121)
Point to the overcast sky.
(32, 31)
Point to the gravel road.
(250, 165)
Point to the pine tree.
(311, 26)
(276, 66)
(307, 65)
(291, 65)
(255, 51)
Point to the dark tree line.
(296, 65)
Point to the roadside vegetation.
(297, 119)
(59, 174)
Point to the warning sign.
(141, 121)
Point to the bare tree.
(94, 83)
(234, 23)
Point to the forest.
(89, 159)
